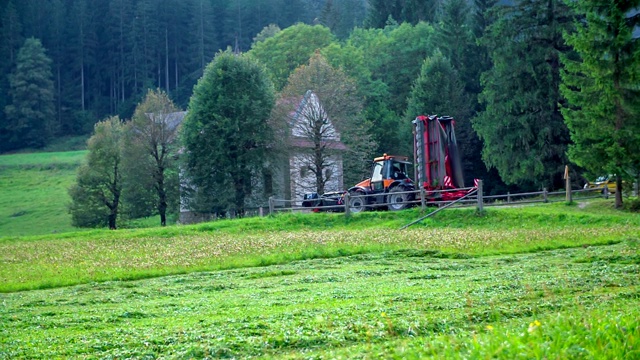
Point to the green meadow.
(33, 192)
(545, 281)
(552, 281)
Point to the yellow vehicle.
(608, 181)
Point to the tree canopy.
(30, 114)
(153, 139)
(290, 48)
(226, 132)
(337, 117)
(440, 91)
(523, 132)
(95, 197)
(601, 86)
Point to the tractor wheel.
(398, 201)
(358, 204)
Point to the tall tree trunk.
(82, 90)
(162, 196)
(240, 194)
(112, 219)
(59, 97)
(166, 58)
(618, 191)
(175, 66)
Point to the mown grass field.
(549, 281)
(33, 192)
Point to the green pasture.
(33, 192)
(538, 281)
(579, 303)
(47, 261)
(43, 160)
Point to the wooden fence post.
(567, 184)
(479, 196)
(605, 191)
(423, 199)
(347, 209)
(270, 205)
(508, 197)
(545, 195)
(260, 211)
(635, 188)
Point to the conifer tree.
(30, 115)
(10, 41)
(380, 11)
(601, 86)
(523, 131)
(440, 91)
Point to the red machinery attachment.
(438, 165)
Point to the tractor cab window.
(399, 171)
(376, 174)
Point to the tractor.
(389, 182)
(438, 171)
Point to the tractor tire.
(357, 205)
(398, 201)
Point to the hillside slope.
(33, 192)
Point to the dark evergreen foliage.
(106, 54)
(381, 12)
(440, 91)
(31, 112)
(601, 86)
(523, 132)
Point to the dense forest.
(104, 54)
(508, 71)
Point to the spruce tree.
(10, 41)
(30, 115)
(454, 36)
(601, 87)
(380, 11)
(523, 131)
(439, 91)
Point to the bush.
(633, 205)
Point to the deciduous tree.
(393, 56)
(154, 129)
(335, 115)
(290, 48)
(226, 132)
(95, 197)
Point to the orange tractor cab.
(389, 181)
